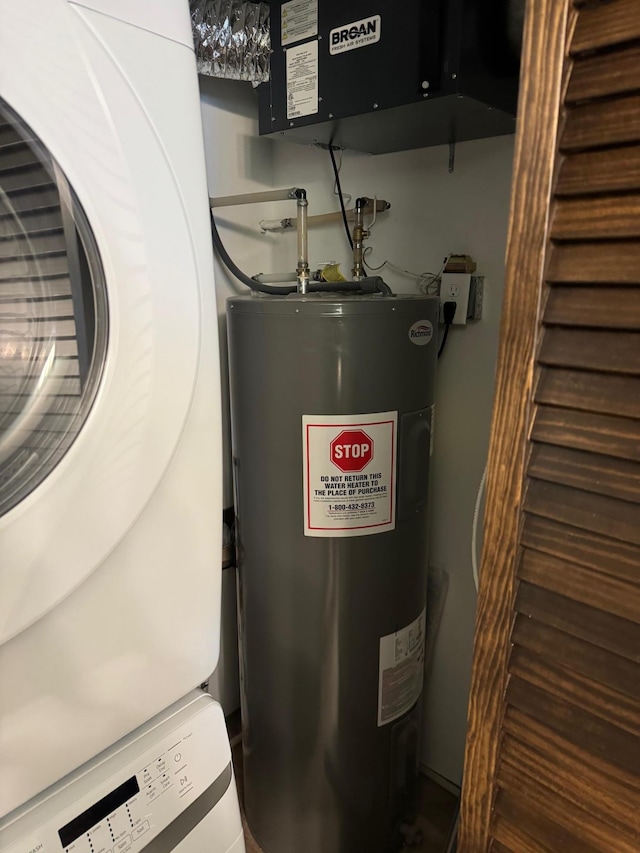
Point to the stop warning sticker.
(349, 473)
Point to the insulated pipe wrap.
(231, 39)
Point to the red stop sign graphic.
(351, 450)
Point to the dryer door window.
(53, 313)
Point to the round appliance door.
(53, 313)
(93, 407)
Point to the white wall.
(237, 161)
(433, 213)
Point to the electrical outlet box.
(467, 291)
(455, 287)
(476, 298)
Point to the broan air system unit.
(386, 76)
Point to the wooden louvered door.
(553, 749)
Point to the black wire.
(444, 339)
(340, 196)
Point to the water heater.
(332, 417)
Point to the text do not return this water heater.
(332, 409)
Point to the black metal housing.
(442, 71)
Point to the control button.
(165, 782)
(177, 757)
(123, 845)
(100, 840)
(184, 781)
(147, 776)
(100, 848)
(140, 830)
(161, 766)
(80, 845)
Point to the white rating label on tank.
(349, 473)
(401, 670)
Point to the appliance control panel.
(129, 808)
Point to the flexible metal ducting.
(231, 39)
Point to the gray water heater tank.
(332, 414)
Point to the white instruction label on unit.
(298, 20)
(302, 80)
(349, 473)
(401, 671)
(358, 34)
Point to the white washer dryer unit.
(110, 445)
(168, 787)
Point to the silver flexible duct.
(231, 39)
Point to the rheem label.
(349, 473)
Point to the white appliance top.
(163, 19)
(161, 779)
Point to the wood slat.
(35, 310)
(17, 156)
(592, 661)
(594, 307)
(592, 472)
(43, 331)
(9, 135)
(510, 837)
(50, 288)
(568, 827)
(597, 218)
(60, 419)
(584, 547)
(581, 584)
(42, 243)
(605, 630)
(575, 724)
(604, 515)
(601, 75)
(589, 392)
(52, 263)
(543, 54)
(605, 25)
(532, 823)
(31, 220)
(66, 348)
(564, 683)
(612, 792)
(26, 177)
(55, 386)
(614, 436)
(36, 198)
(602, 123)
(65, 368)
(496, 847)
(601, 171)
(575, 640)
(593, 436)
(615, 352)
(615, 262)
